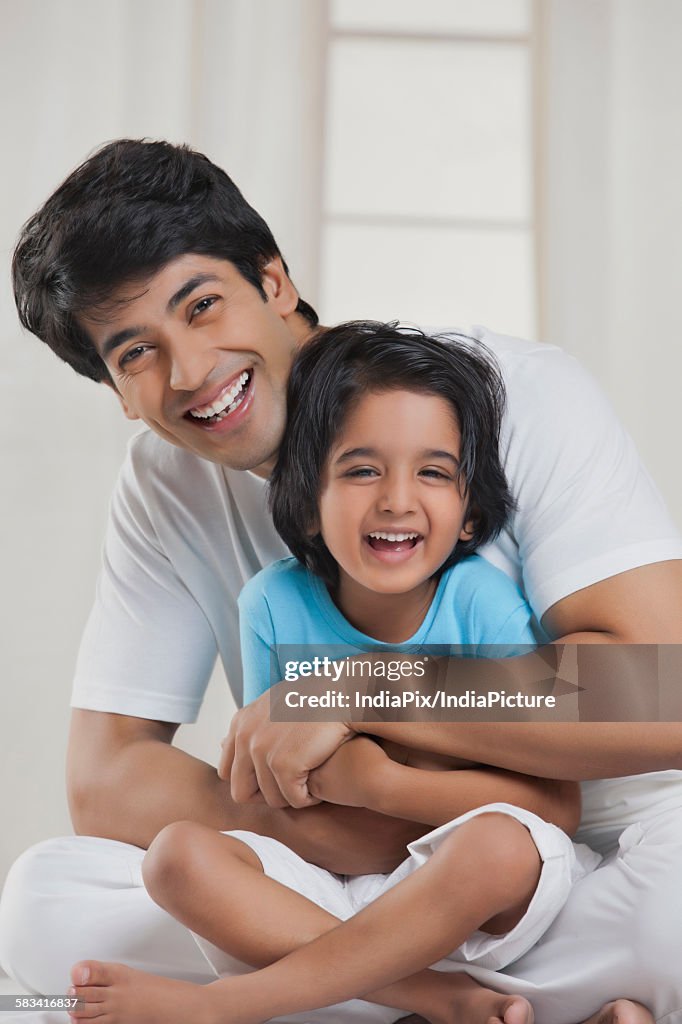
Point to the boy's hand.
(351, 775)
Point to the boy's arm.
(361, 774)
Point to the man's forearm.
(638, 681)
(149, 784)
(554, 750)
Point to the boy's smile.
(391, 505)
(198, 354)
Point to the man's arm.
(125, 781)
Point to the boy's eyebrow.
(356, 453)
(120, 337)
(426, 453)
(437, 453)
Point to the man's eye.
(202, 305)
(132, 354)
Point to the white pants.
(619, 933)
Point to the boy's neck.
(389, 618)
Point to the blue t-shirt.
(475, 605)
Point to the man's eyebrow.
(120, 338)
(187, 289)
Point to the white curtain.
(612, 225)
(235, 78)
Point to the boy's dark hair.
(340, 365)
(120, 217)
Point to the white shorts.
(563, 864)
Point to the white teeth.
(223, 405)
(394, 537)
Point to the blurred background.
(515, 163)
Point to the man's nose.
(190, 364)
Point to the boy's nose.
(397, 497)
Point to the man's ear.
(279, 287)
(127, 411)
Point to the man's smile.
(230, 402)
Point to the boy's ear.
(127, 411)
(469, 527)
(313, 528)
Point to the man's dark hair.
(332, 373)
(119, 218)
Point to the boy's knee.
(170, 858)
(497, 847)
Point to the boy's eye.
(435, 474)
(361, 471)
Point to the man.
(147, 271)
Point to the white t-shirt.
(186, 534)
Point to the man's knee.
(20, 914)
(650, 860)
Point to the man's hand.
(351, 775)
(271, 760)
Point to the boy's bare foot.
(113, 993)
(458, 999)
(621, 1011)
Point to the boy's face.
(393, 472)
(198, 355)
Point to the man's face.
(198, 355)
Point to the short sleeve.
(148, 649)
(587, 508)
(499, 618)
(257, 635)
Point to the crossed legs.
(481, 877)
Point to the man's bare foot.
(113, 993)
(621, 1011)
(458, 999)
